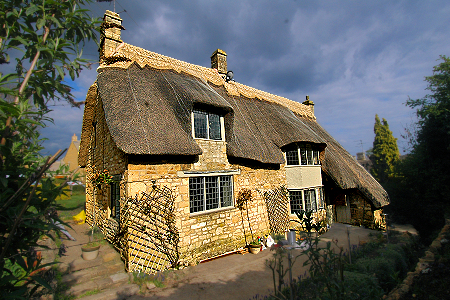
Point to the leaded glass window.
(207, 125)
(296, 201)
(214, 127)
(115, 199)
(310, 200)
(196, 194)
(210, 192)
(200, 124)
(226, 191)
(292, 156)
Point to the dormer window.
(302, 154)
(207, 125)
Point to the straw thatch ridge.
(143, 57)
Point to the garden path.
(234, 276)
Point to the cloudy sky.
(354, 59)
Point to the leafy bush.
(377, 268)
(362, 286)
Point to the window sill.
(211, 211)
(304, 166)
(207, 173)
(209, 140)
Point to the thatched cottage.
(183, 143)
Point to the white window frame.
(317, 194)
(308, 148)
(222, 125)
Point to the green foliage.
(141, 278)
(420, 195)
(385, 154)
(40, 41)
(376, 269)
(431, 147)
(55, 32)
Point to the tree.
(421, 194)
(385, 154)
(431, 143)
(44, 39)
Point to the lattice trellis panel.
(147, 235)
(277, 209)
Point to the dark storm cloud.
(354, 58)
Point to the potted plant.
(254, 247)
(100, 178)
(90, 250)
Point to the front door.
(343, 214)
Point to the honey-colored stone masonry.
(202, 235)
(206, 234)
(363, 213)
(103, 155)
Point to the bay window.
(306, 199)
(302, 154)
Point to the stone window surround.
(317, 194)
(222, 126)
(187, 174)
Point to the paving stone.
(80, 264)
(119, 277)
(118, 293)
(115, 268)
(63, 267)
(110, 256)
(150, 285)
(103, 283)
(80, 289)
(83, 275)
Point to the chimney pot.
(309, 103)
(110, 31)
(219, 61)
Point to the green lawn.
(68, 205)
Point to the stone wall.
(363, 212)
(207, 234)
(103, 155)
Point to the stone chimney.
(110, 34)
(219, 61)
(309, 103)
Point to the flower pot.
(89, 252)
(254, 249)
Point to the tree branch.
(24, 83)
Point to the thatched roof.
(148, 109)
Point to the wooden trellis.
(147, 235)
(277, 209)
